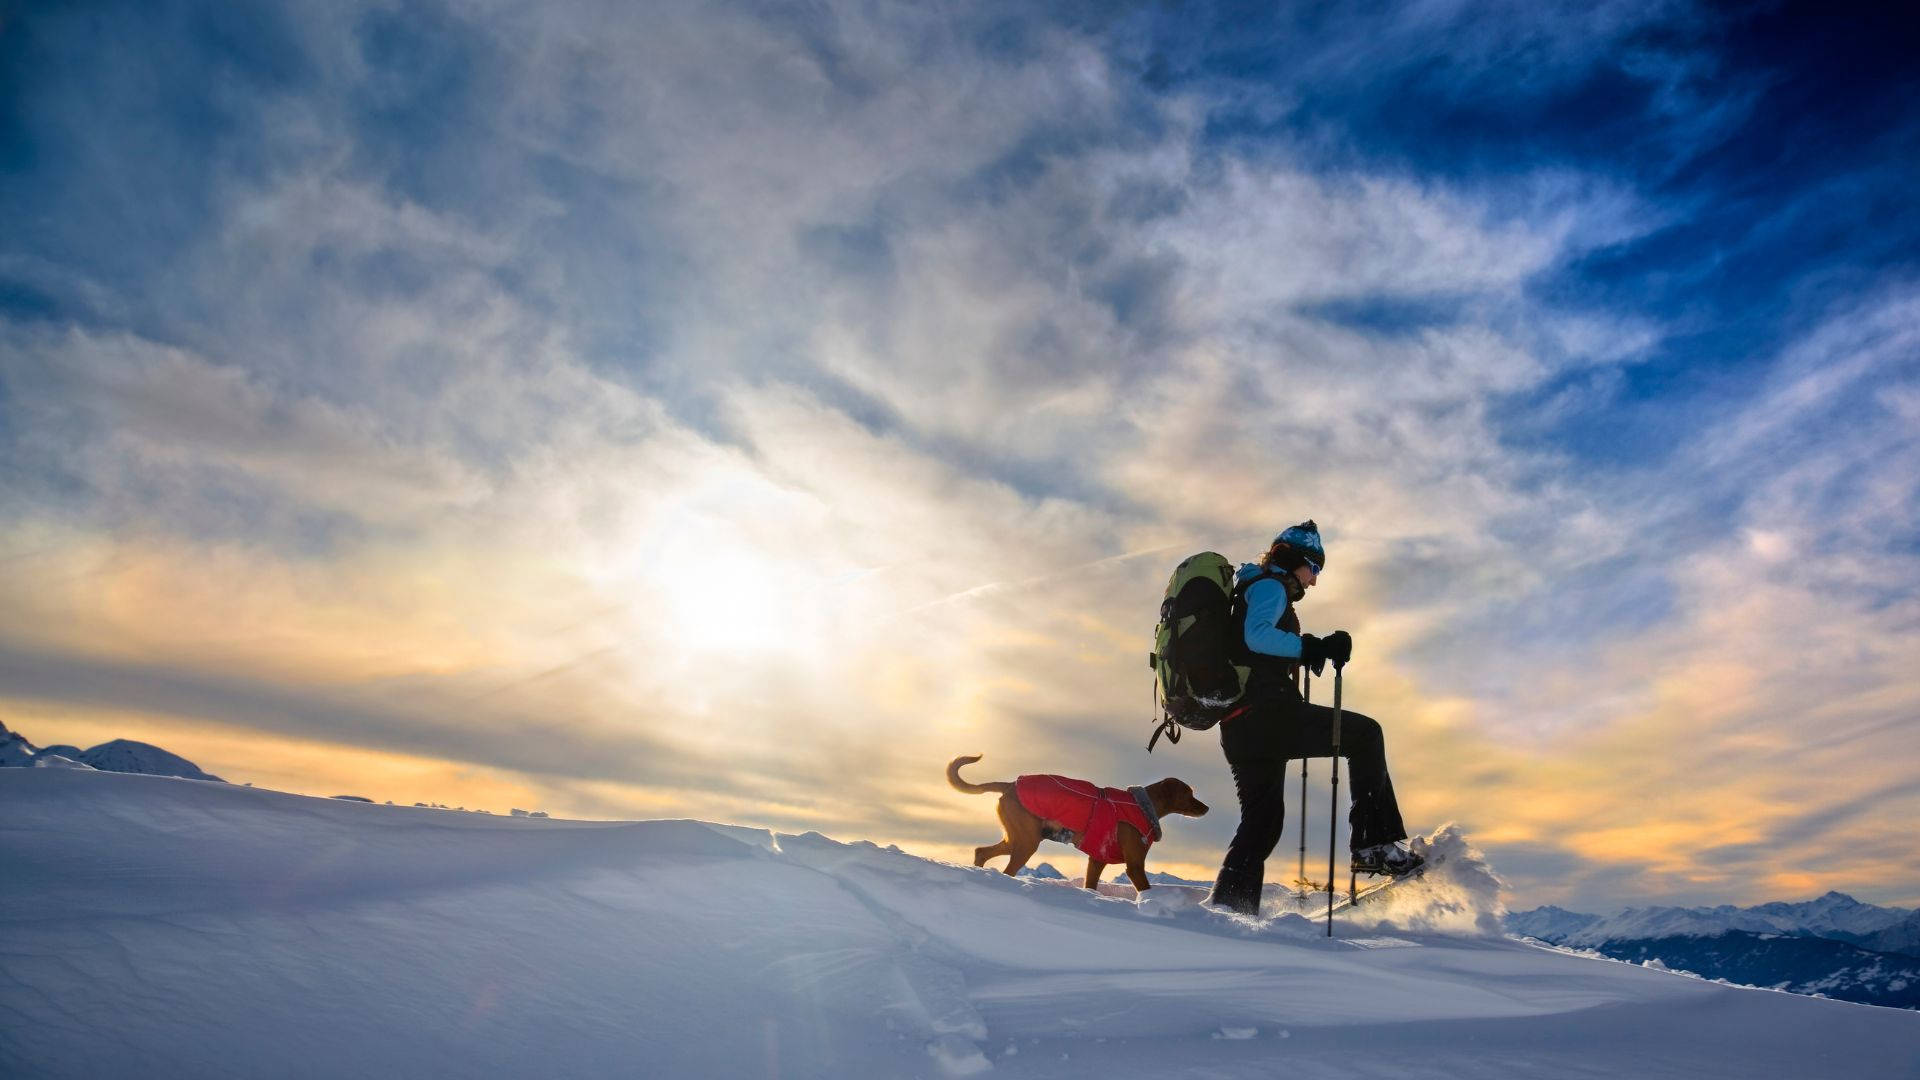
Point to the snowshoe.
(1389, 860)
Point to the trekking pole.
(1333, 815)
(1307, 697)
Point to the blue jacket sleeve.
(1266, 602)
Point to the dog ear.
(1183, 799)
(1177, 796)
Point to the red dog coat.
(1092, 814)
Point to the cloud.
(738, 413)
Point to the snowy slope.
(15, 750)
(1901, 937)
(160, 927)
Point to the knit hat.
(1304, 539)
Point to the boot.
(1237, 891)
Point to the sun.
(725, 570)
(714, 596)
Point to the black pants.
(1258, 744)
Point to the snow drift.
(163, 927)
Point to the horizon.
(1040, 867)
(222, 929)
(736, 413)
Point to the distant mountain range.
(120, 755)
(1834, 945)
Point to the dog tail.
(953, 777)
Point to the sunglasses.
(1313, 566)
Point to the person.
(1277, 725)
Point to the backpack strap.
(1169, 729)
(1287, 581)
(1287, 621)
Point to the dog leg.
(1094, 869)
(1133, 848)
(1021, 852)
(982, 854)
(1022, 831)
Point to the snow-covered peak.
(1836, 911)
(1834, 915)
(129, 756)
(1548, 923)
(15, 750)
(120, 755)
(1044, 870)
(1663, 921)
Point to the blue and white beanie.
(1304, 538)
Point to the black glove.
(1316, 651)
(1339, 648)
(1313, 653)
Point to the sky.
(737, 411)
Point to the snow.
(1549, 923)
(1833, 915)
(129, 756)
(120, 755)
(15, 750)
(166, 927)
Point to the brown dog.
(1108, 829)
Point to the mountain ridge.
(1827, 946)
(1834, 916)
(115, 755)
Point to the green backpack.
(1197, 682)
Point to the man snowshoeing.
(1278, 725)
